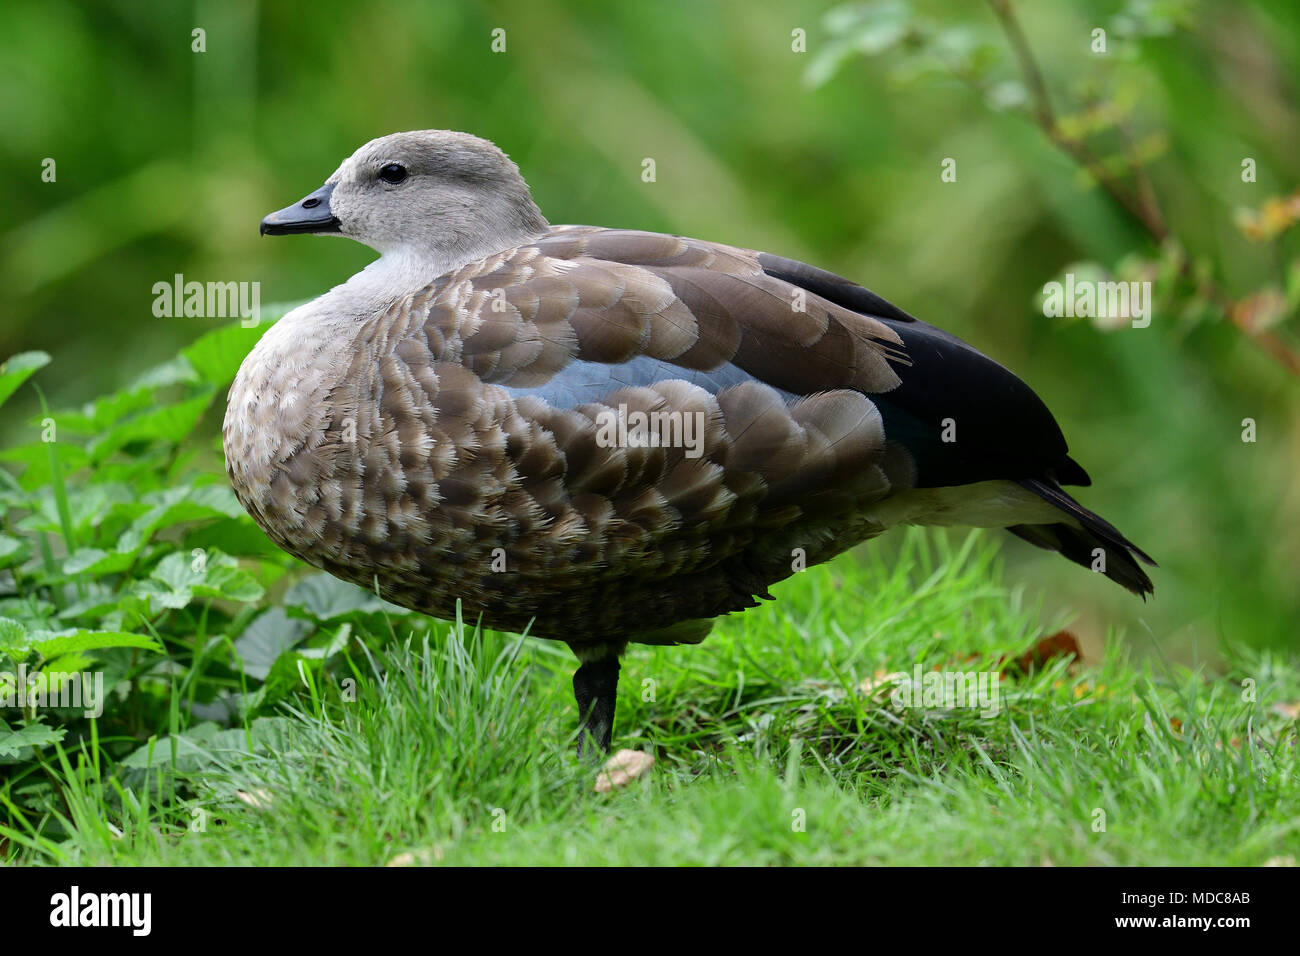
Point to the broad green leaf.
(35, 459)
(239, 536)
(179, 578)
(158, 596)
(29, 612)
(68, 663)
(172, 506)
(55, 643)
(17, 640)
(87, 506)
(35, 734)
(18, 369)
(266, 639)
(217, 355)
(98, 603)
(325, 598)
(96, 562)
(285, 678)
(170, 424)
(13, 635)
(175, 371)
(230, 583)
(107, 410)
(206, 745)
(179, 571)
(13, 550)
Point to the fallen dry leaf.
(417, 857)
(1060, 644)
(622, 768)
(880, 679)
(257, 799)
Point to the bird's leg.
(595, 685)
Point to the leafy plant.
(128, 566)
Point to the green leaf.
(206, 745)
(96, 562)
(17, 640)
(35, 734)
(13, 550)
(176, 371)
(105, 411)
(13, 635)
(217, 355)
(87, 506)
(179, 578)
(68, 663)
(52, 644)
(35, 457)
(18, 369)
(267, 639)
(99, 603)
(230, 583)
(239, 536)
(30, 612)
(170, 424)
(868, 29)
(172, 506)
(285, 678)
(325, 598)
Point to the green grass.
(257, 712)
(457, 750)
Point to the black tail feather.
(1078, 542)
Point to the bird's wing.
(611, 297)
(586, 310)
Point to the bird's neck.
(403, 270)
(394, 275)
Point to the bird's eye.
(393, 173)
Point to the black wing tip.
(1070, 472)
(1078, 545)
(1079, 541)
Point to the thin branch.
(1143, 208)
(1028, 65)
(1146, 192)
(1145, 214)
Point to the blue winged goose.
(606, 436)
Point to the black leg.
(595, 685)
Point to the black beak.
(311, 214)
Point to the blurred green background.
(168, 158)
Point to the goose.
(607, 436)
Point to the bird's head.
(442, 196)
